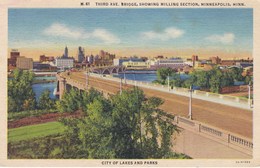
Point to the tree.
(163, 73)
(236, 73)
(192, 80)
(20, 91)
(215, 81)
(226, 80)
(125, 126)
(95, 131)
(74, 100)
(70, 102)
(176, 82)
(248, 79)
(45, 101)
(126, 131)
(203, 78)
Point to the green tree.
(20, 91)
(126, 131)
(45, 102)
(203, 78)
(163, 73)
(95, 131)
(226, 80)
(176, 82)
(70, 102)
(236, 73)
(248, 79)
(192, 80)
(72, 146)
(215, 81)
(125, 126)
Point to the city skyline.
(227, 33)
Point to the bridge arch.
(114, 70)
(106, 71)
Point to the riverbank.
(43, 81)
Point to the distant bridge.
(107, 69)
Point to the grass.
(34, 131)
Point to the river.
(40, 87)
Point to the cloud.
(62, 30)
(105, 36)
(166, 34)
(227, 38)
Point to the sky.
(172, 32)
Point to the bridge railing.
(232, 140)
(214, 97)
(229, 139)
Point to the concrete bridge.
(216, 131)
(107, 69)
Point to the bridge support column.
(62, 86)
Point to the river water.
(41, 87)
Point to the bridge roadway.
(233, 119)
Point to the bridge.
(216, 131)
(107, 69)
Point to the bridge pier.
(62, 87)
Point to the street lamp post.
(120, 86)
(249, 95)
(87, 80)
(168, 83)
(124, 77)
(190, 104)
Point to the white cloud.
(166, 34)
(105, 36)
(227, 38)
(62, 30)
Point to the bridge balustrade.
(210, 130)
(236, 142)
(241, 142)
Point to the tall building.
(102, 54)
(215, 60)
(14, 54)
(105, 58)
(66, 53)
(194, 58)
(90, 59)
(24, 63)
(81, 56)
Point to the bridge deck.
(229, 118)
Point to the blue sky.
(146, 32)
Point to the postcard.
(129, 83)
